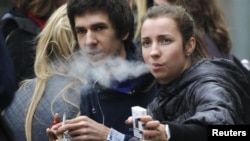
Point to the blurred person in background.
(20, 26)
(139, 8)
(53, 90)
(7, 82)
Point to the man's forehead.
(93, 13)
(91, 18)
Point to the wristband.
(167, 131)
(115, 135)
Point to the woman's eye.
(145, 44)
(166, 41)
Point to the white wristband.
(167, 131)
(115, 135)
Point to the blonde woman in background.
(140, 8)
(52, 90)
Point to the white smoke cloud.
(112, 69)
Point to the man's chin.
(97, 62)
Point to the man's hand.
(83, 128)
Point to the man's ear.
(190, 46)
(125, 37)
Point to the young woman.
(210, 21)
(52, 90)
(193, 91)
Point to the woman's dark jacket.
(208, 93)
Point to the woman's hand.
(50, 132)
(153, 130)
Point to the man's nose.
(91, 38)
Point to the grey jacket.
(58, 89)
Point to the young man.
(104, 29)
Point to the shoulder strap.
(10, 22)
(27, 25)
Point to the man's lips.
(94, 52)
(95, 55)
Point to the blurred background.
(237, 13)
(4, 6)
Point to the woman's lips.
(156, 67)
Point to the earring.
(187, 54)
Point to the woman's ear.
(190, 46)
(125, 37)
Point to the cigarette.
(62, 137)
(64, 118)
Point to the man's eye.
(80, 31)
(99, 28)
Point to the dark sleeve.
(21, 46)
(7, 80)
(187, 132)
(130, 138)
(215, 105)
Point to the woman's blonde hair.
(55, 44)
(141, 9)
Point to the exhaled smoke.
(111, 69)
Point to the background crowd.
(234, 12)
